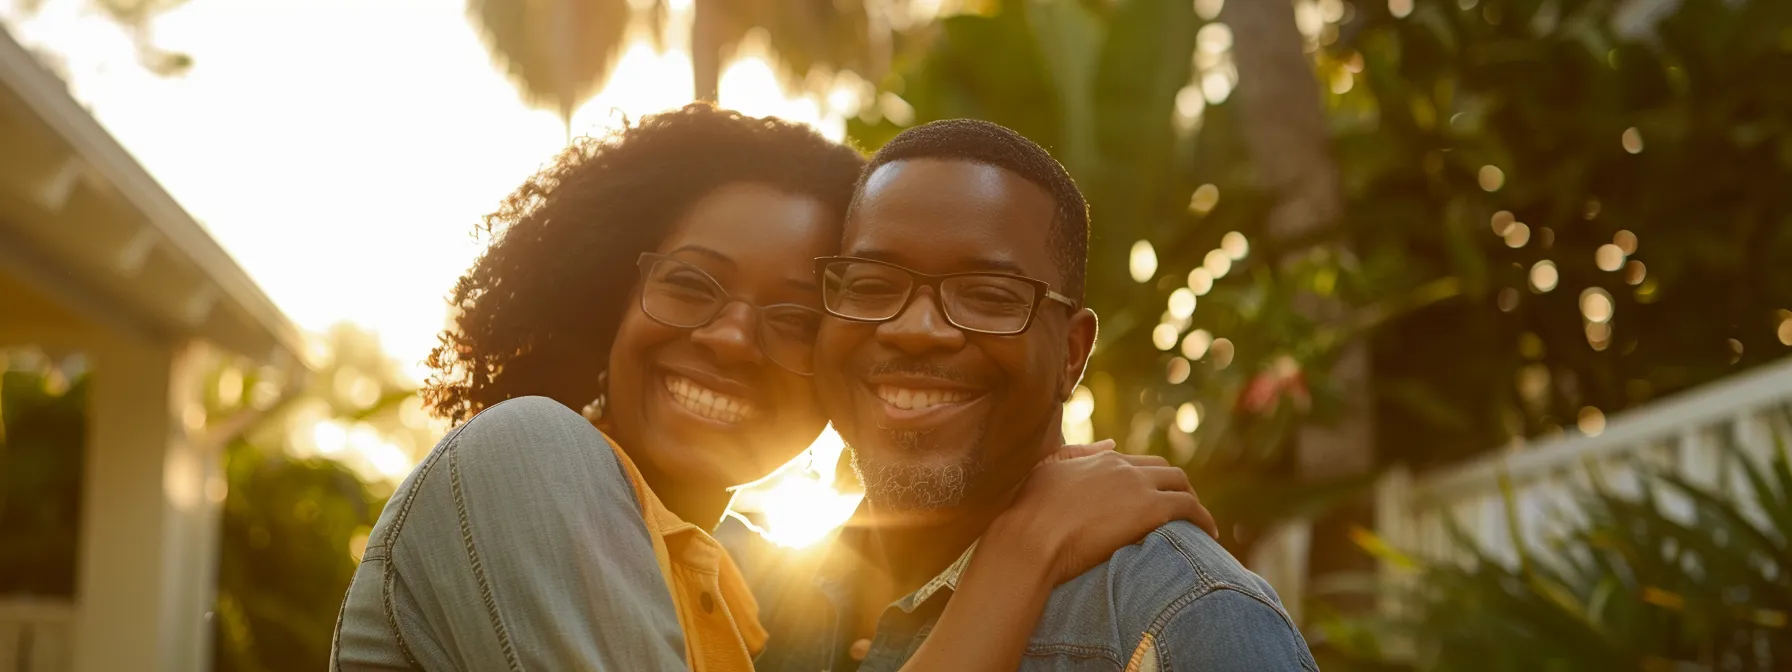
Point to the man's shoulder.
(1170, 563)
(1143, 587)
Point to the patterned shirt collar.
(847, 555)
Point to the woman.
(658, 278)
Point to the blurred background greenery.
(1330, 238)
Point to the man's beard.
(909, 485)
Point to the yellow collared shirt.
(716, 609)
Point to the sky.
(344, 150)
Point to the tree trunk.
(706, 50)
(1285, 128)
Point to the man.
(948, 387)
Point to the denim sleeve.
(1229, 630)
(517, 544)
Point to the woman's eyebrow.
(702, 251)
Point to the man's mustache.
(918, 366)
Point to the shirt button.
(859, 649)
(708, 603)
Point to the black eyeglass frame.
(1042, 293)
(645, 265)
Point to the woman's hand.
(1079, 506)
(1083, 503)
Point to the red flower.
(1264, 391)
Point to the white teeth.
(910, 398)
(709, 403)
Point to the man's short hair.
(992, 144)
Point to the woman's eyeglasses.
(867, 290)
(681, 295)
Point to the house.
(96, 258)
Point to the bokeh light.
(1632, 140)
(1608, 257)
(1178, 371)
(1204, 200)
(1235, 245)
(1599, 335)
(1196, 344)
(1502, 222)
(1218, 263)
(1596, 305)
(1625, 240)
(1544, 276)
(1079, 411)
(1182, 302)
(1223, 351)
(1188, 418)
(1591, 421)
(1491, 178)
(1200, 281)
(1517, 235)
(1508, 300)
(1164, 336)
(1143, 261)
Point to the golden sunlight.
(798, 504)
(399, 153)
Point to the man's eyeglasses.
(681, 295)
(867, 290)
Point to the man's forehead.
(966, 177)
(949, 215)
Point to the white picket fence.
(36, 635)
(1684, 434)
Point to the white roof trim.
(47, 96)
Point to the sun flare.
(798, 504)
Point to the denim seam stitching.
(1072, 650)
(1215, 584)
(336, 635)
(1193, 596)
(1187, 556)
(485, 589)
(388, 579)
(423, 470)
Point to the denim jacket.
(1176, 601)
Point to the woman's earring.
(594, 411)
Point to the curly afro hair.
(538, 311)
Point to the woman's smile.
(706, 403)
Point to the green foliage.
(294, 522)
(289, 528)
(1467, 354)
(1555, 97)
(1675, 575)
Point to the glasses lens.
(788, 335)
(679, 295)
(989, 303)
(864, 291)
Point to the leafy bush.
(1637, 586)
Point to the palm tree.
(560, 53)
(136, 17)
(1284, 127)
